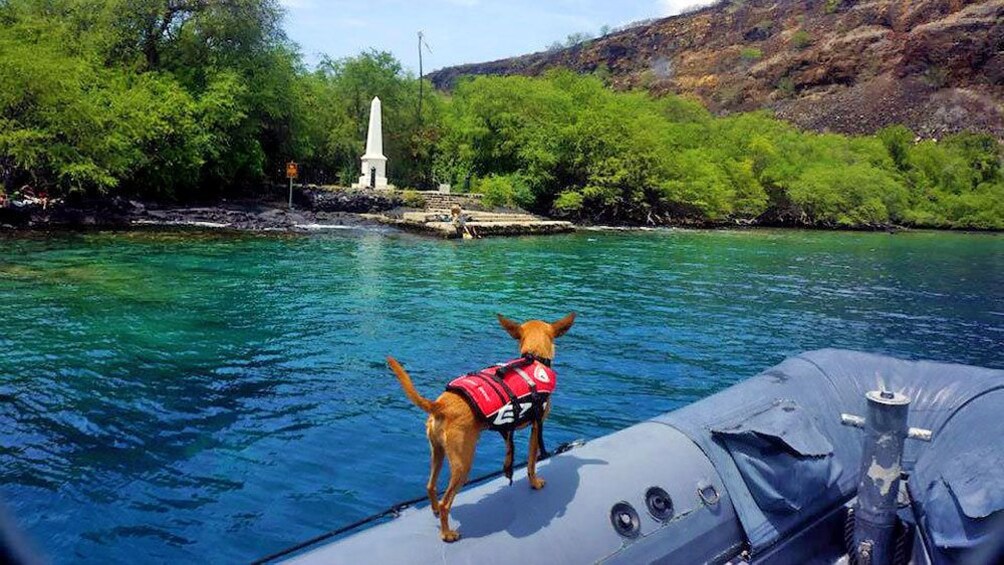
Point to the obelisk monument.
(374, 163)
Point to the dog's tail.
(409, 389)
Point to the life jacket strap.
(542, 360)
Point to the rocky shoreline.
(241, 216)
(312, 210)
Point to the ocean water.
(214, 397)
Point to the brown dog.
(453, 428)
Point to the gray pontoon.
(830, 457)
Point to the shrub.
(750, 54)
(564, 143)
(576, 38)
(850, 195)
(569, 202)
(897, 140)
(413, 199)
(504, 190)
(801, 39)
(759, 32)
(786, 86)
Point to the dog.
(454, 424)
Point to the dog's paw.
(537, 484)
(435, 511)
(450, 536)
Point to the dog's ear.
(562, 325)
(510, 326)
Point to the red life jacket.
(507, 395)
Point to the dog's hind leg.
(437, 453)
(531, 463)
(460, 446)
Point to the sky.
(457, 31)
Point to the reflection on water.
(191, 396)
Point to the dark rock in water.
(252, 215)
(96, 212)
(15, 216)
(99, 212)
(344, 200)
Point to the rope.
(849, 538)
(395, 511)
(901, 553)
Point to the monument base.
(380, 184)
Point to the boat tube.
(762, 472)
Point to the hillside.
(848, 66)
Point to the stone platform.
(439, 200)
(438, 222)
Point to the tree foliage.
(586, 152)
(336, 102)
(186, 98)
(195, 98)
(144, 96)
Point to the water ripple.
(184, 395)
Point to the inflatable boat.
(830, 457)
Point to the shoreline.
(892, 230)
(310, 216)
(249, 215)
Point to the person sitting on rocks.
(457, 219)
(460, 223)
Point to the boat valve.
(886, 431)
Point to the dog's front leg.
(531, 464)
(510, 454)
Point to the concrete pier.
(438, 222)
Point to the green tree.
(339, 97)
(154, 97)
(588, 153)
(897, 140)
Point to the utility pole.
(421, 87)
(421, 94)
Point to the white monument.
(374, 163)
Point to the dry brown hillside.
(839, 65)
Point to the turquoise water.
(181, 397)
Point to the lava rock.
(347, 200)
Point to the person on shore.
(460, 223)
(457, 218)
